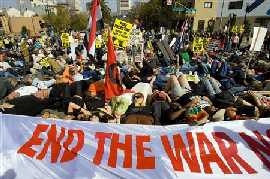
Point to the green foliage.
(79, 21)
(61, 20)
(155, 14)
(64, 20)
(106, 12)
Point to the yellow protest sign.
(65, 40)
(25, 50)
(238, 29)
(44, 62)
(98, 43)
(191, 77)
(198, 45)
(6, 41)
(205, 42)
(149, 44)
(1, 44)
(121, 31)
(241, 29)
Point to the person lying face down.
(29, 105)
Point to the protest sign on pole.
(198, 45)
(44, 62)
(258, 38)
(99, 41)
(238, 29)
(121, 31)
(65, 40)
(172, 42)
(169, 50)
(35, 148)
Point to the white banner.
(258, 38)
(51, 149)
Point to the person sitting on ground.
(138, 112)
(160, 102)
(77, 109)
(131, 79)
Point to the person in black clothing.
(147, 72)
(131, 79)
(30, 105)
(138, 113)
(267, 43)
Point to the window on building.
(208, 4)
(236, 5)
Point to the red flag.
(113, 85)
(94, 18)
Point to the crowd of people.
(217, 84)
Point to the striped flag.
(95, 24)
(181, 39)
(184, 28)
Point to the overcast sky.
(12, 3)
(111, 3)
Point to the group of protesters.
(221, 83)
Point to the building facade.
(74, 5)
(206, 13)
(136, 2)
(256, 11)
(39, 7)
(123, 6)
(4, 24)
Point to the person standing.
(267, 43)
(235, 41)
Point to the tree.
(24, 31)
(106, 12)
(155, 14)
(64, 20)
(79, 21)
(61, 20)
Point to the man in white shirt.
(4, 66)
